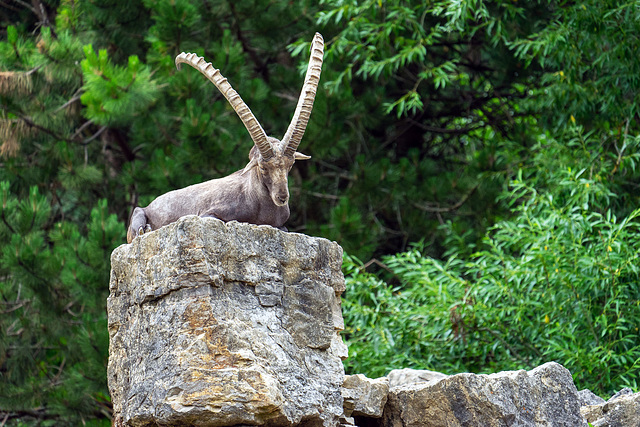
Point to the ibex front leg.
(138, 225)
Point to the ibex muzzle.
(257, 194)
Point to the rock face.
(398, 377)
(364, 397)
(544, 396)
(588, 398)
(621, 410)
(215, 324)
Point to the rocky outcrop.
(587, 397)
(544, 396)
(364, 397)
(228, 324)
(622, 410)
(215, 324)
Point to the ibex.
(257, 194)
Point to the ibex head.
(273, 158)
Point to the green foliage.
(403, 325)
(94, 110)
(53, 291)
(587, 49)
(558, 281)
(435, 119)
(555, 278)
(115, 95)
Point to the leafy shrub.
(558, 281)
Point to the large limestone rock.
(544, 396)
(215, 324)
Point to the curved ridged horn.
(300, 118)
(256, 132)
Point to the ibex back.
(257, 194)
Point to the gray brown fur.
(257, 194)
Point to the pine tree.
(54, 285)
(94, 110)
(57, 235)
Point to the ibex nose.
(282, 199)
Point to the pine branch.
(81, 128)
(324, 196)
(8, 6)
(14, 308)
(451, 208)
(38, 413)
(259, 64)
(94, 136)
(41, 12)
(76, 97)
(26, 5)
(6, 222)
(28, 121)
(461, 131)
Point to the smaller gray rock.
(347, 422)
(624, 392)
(544, 396)
(364, 397)
(587, 397)
(399, 377)
(591, 413)
(623, 411)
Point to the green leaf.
(12, 34)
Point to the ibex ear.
(300, 156)
(250, 166)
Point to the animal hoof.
(144, 229)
